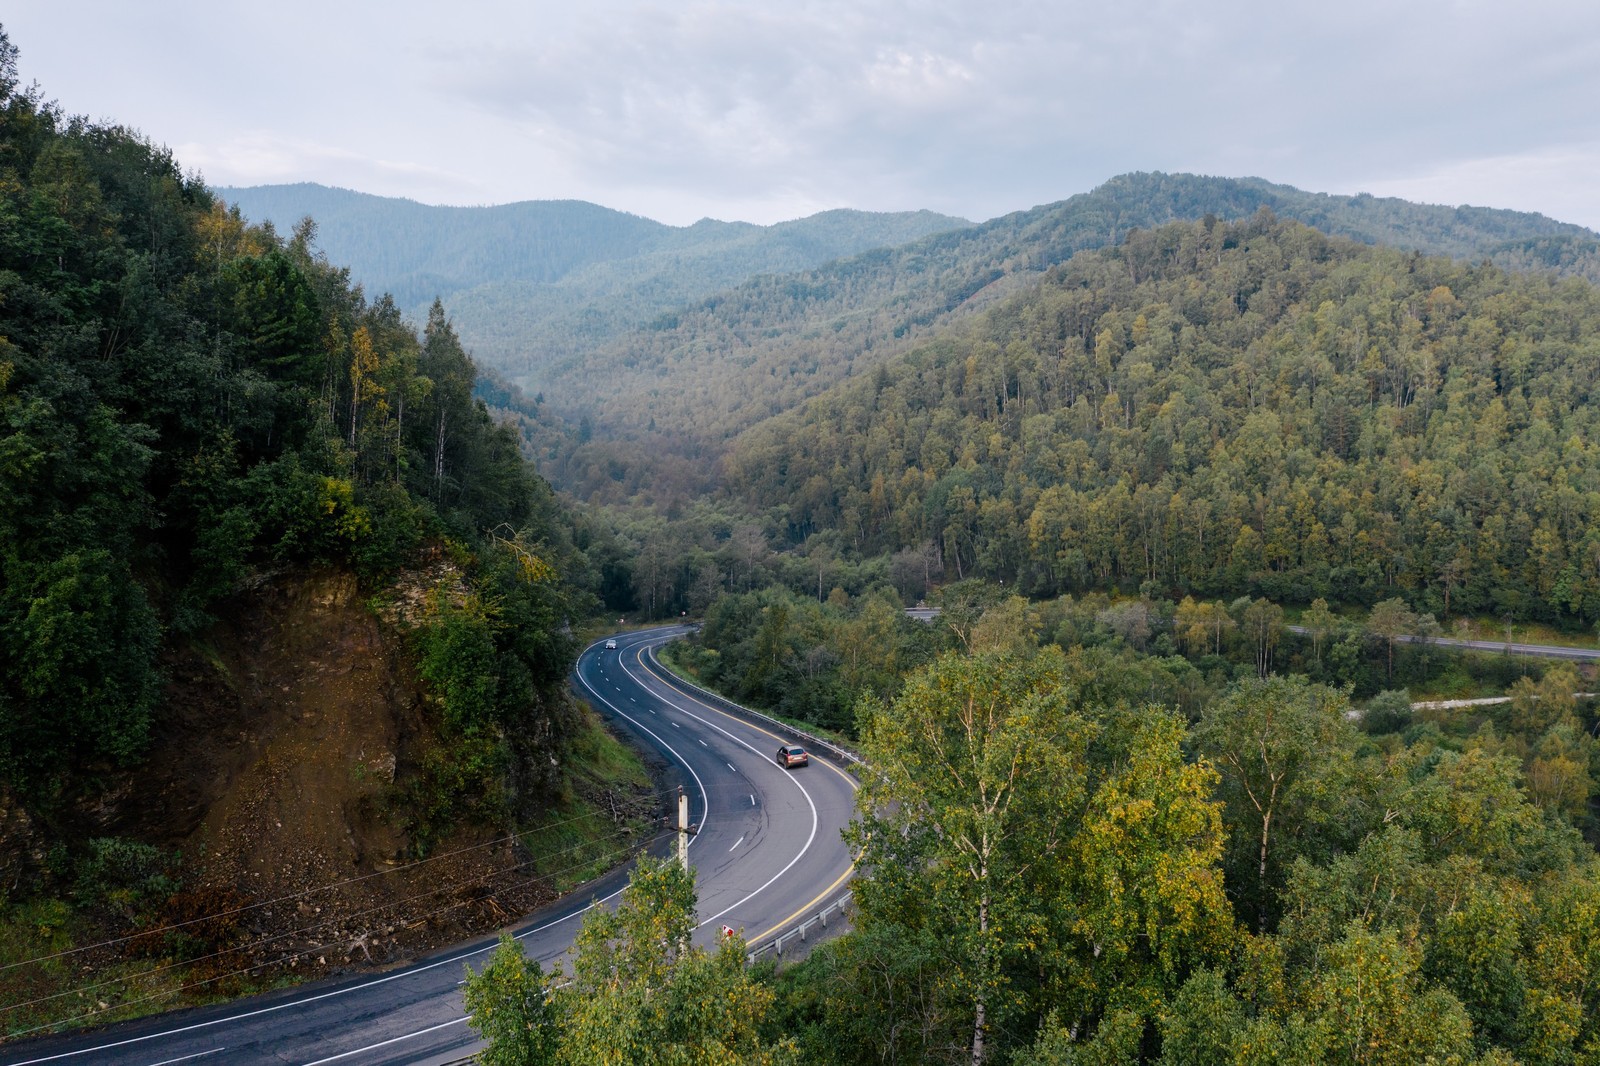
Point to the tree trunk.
(438, 457)
(980, 1018)
(1261, 911)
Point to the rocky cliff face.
(269, 772)
(283, 730)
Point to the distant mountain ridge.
(657, 345)
(546, 279)
(758, 349)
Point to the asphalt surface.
(767, 854)
(1537, 651)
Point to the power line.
(257, 945)
(292, 897)
(296, 956)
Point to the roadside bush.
(124, 876)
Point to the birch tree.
(978, 776)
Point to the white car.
(611, 645)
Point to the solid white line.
(186, 1058)
(386, 1043)
(736, 843)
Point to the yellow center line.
(814, 901)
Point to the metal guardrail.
(843, 754)
(839, 909)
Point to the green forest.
(1075, 852)
(1191, 472)
(662, 401)
(1226, 409)
(188, 403)
(183, 397)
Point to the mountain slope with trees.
(255, 527)
(540, 281)
(1225, 409)
(660, 402)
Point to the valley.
(1165, 552)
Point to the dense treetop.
(1230, 408)
(185, 398)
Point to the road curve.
(768, 854)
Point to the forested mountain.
(186, 397)
(191, 409)
(532, 282)
(696, 376)
(1228, 408)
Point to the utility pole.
(685, 830)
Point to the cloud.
(720, 107)
(1558, 181)
(266, 158)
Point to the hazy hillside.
(1224, 409)
(743, 355)
(544, 279)
(660, 402)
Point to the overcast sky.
(764, 111)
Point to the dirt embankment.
(271, 773)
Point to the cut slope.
(271, 771)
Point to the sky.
(765, 111)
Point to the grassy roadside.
(609, 809)
(666, 656)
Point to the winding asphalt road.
(767, 855)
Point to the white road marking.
(752, 799)
(732, 767)
(816, 820)
(703, 744)
(386, 1043)
(736, 843)
(186, 1058)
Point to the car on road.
(791, 755)
(611, 645)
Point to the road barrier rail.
(816, 925)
